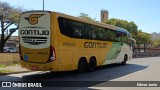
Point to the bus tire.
(92, 64)
(82, 65)
(125, 60)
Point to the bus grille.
(34, 40)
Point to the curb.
(15, 72)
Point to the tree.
(86, 17)
(138, 35)
(9, 15)
(143, 38)
(130, 26)
(156, 42)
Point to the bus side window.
(105, 36)
(77, 28)
(124, 37)
(94, 31)
(65, 26)
(82, 30)
(101, 33)
(90, 32)
(111, 35)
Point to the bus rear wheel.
(92, 64)
(82, 65)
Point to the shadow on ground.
(74, 79)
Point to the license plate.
(34, 68)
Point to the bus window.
(65, 27)
(90, 32)
(94, 31)
(77, 29)
(112, 35)
(102, 34)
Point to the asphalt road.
(131, 76)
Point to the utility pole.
(43, 5)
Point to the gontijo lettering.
(95, 45)
(34, 32)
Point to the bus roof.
(87, 21)
(83, 20)
(93, 22)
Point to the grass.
(2, 65)
(5, 71)
(13, 64)
(7, 65)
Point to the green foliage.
(130, 26)
(2, 65)
(156, 42)
(6, 71)
(143, 38)
(86, 17)
(138, 35)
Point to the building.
(13, 42)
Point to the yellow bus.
(52, 41)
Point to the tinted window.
(90, 31)
(75, 29)
(111, 35)
(65, 27)
(102, 33)
(121, 36)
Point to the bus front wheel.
(82, 65)
(125, 60)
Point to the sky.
(145, 13)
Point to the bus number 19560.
(69, 44)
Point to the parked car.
(9, 49)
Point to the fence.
(145, 54)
